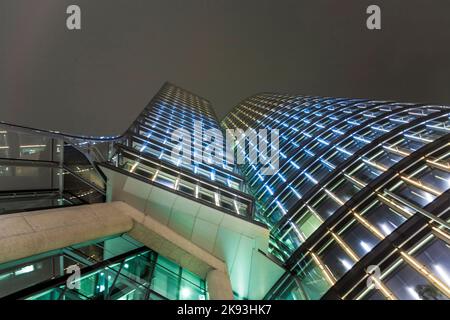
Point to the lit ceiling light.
(185, 293)
(413, 293)
(347, 265)
(365, 246)
(26, 269)
(444, 275)
(386, 229)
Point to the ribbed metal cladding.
(352, 174)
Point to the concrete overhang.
(238, 242)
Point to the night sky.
(97, 80)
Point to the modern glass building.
(194, 234)
(358, 208)
(146, 150)
(361, 183)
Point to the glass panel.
(326, 206)
(384, 218)
(344, 189)
(359, 239)
(437, 179)
(189, 291)
(165, 179)
(96, 285)
(309, 223)
(387, 159)
(291, 291)
(336, 260)
(407, 284)
(415, 195)
(165, 282)
(21, 276)
(15, 202)
(27, 178)
(435, 255)
(366, 173)
(312, 283)
(186, 187)
(18, 145)
(374, 295)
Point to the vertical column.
(219, 285)
(60, 154)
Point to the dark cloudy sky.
(97, 80)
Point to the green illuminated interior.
(113, 269)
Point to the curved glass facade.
(354, 175)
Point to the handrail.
(53, 133)
(76, 141)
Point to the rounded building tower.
(358, 208)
